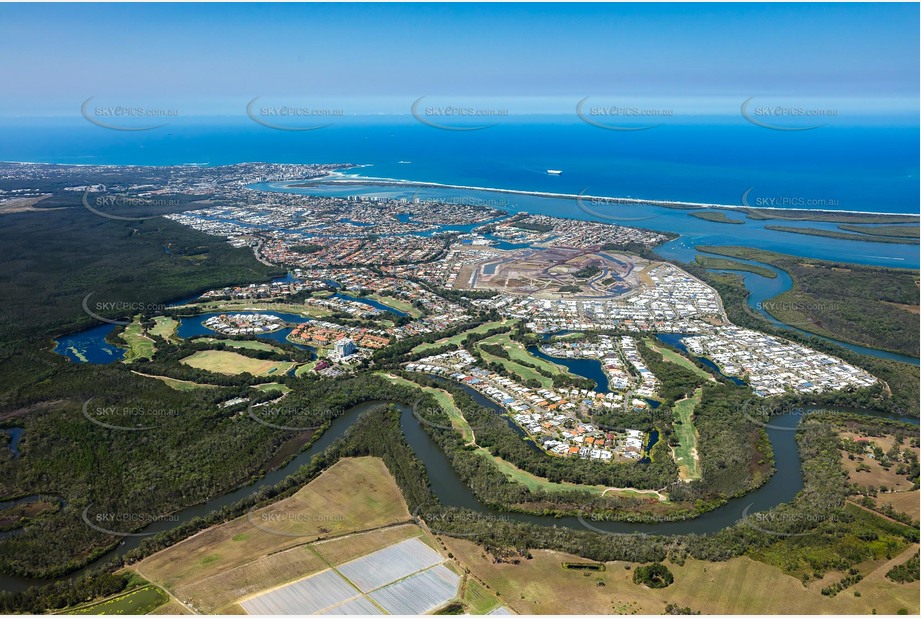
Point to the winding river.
(786, 482)
(451, 491)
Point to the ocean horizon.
(871, 167)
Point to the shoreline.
(336, 177)
(352, 179)
(345, 179)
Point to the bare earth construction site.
(555, 272)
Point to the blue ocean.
(868, 167)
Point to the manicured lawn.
(482, 328)
(532, 482)
(139, 344)
(445, 401)
(256, 305)
(305, 368)
(397, 303)
(517, 352)
(231, 363)
(686, 451)
(272, 387)
(165, 328)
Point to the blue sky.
(206, 58)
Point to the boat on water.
(554, 172)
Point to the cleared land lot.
(737, 586)
(242, 557)
(877, 476)
(231, 363)
(343, 549)
(903, 502)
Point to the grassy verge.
(478, 599)
(446, 401)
